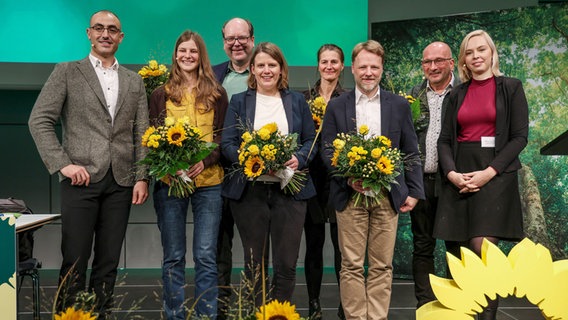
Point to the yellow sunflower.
(72, 314)
(277, 311)
(385, 165)
(254, 166)
(176, 135)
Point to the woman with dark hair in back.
(330, 59)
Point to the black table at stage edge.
(556, 147)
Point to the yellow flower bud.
(169, 121)
(364, 129)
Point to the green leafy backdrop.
(533, 47)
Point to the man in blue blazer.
(370, 229)
(104, 113)
(238, 43)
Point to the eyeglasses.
(240, 39)
(99, 28)
(438, 62)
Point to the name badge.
(488, 142)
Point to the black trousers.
(224, 253)
(422, 219)
(266, 216)
(313, 259)
(96, 213)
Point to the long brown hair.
(207, 89)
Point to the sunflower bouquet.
(154, 75)
(264, 151)
(172, 148)
(369, 159)
(317, 107)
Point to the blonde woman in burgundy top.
(484, 131)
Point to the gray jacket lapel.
(90, 75)
(123, 87)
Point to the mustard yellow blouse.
(202, 119)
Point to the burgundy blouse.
(476, 117)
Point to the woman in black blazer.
(485, 129)
(263, 213)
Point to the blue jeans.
(206, 205)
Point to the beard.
(367, 88)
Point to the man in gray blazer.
(103, 112)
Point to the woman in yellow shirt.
(191, 91)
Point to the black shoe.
(315, 310)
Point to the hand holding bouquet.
(173, 148)
(265, 151)
(371, 161)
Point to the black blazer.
(511, 126)
(242, 111)
(396, 124)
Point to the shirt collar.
(231, 69)
(359, 94)
(449, 86)
(97, 63)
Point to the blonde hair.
(207, 89)
(464, 72)
(370, 46)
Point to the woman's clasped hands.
(471, 181)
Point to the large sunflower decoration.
(528, 272)
(172, 149)
(264, 151)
